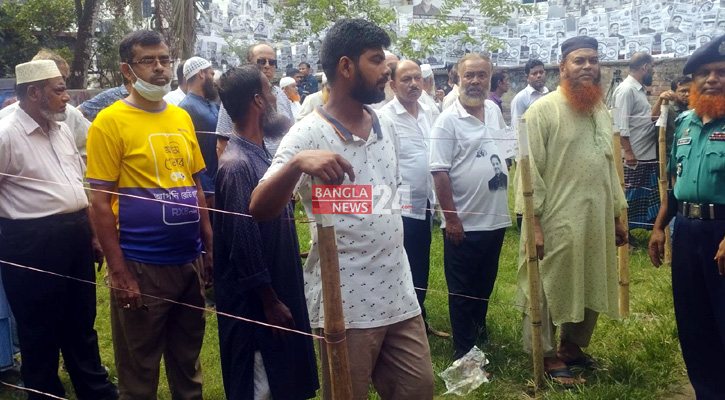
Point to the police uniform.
(698, 161)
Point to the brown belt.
(701, 211)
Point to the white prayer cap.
(286, 81)
(324, 79)
(388, 53)
(426, 70)
(194, 65)
(35, 71)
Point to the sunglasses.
(263, 61)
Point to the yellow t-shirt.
(152, 155)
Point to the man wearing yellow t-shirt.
(151, 232)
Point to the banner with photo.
(609, 49)
(675, 44)
(594, 25)
(652, 19)
(509, 55)
(637, 43)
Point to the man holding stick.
(698, 248)
(577, 202)
(385, 332)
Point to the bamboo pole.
(623, 251)
(334, 331)
(662, 143)
(532, 261)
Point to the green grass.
(640, 355)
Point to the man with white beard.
(475, 217)
(45, 225)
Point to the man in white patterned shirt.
(385, 333)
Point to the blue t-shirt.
(92, 107)
(204, 114)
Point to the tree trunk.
(82, 56)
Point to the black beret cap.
(576, 43)
(711, 52)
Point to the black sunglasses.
(263, 61)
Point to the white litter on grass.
(466, 374)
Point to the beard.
(472, 99)
(367, 95)
(647, 79)
(48, 114)
(293, 97)
(706, 105)
(273, 124)
(583, 97)
(210, 90)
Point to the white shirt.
(464, 146)
(634, 118)
(428, 101)
(295, 105)
(375, 280)
(450, 98)
(25, 150)
(75, 120)
(175, 97)
(413, 138)
(523, 100)
(310, 104)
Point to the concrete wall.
(666, 71)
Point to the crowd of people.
(196, 187)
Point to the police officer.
(698, 254)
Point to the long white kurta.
(577, 195)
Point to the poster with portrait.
(621, 24)
(509, 55)
(574, 7)
(426, 9)
(301, 53)
(285, 59)
(608, 49)
(683, 18)
(702, 40)
(594, 25)
(637, 43)
(675, 44)
(261, 29)
(652, 19)
(540, 49)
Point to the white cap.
(35, 71)
(426, 70)
(286, 81)
(324, 79)
(389, 53)
(194, 65)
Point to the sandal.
(586, 361)
(558, 373)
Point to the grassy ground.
(640, 355)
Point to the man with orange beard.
(698, 251)
(577, 199)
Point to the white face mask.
(149, 91)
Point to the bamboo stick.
(662, 143)
(334, 330)
(532, 261)
(623, 251)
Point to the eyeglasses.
(263, 61)
(147, 62)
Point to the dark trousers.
(52, 313)
(471, 269)
(699, 295)
(417, 238)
